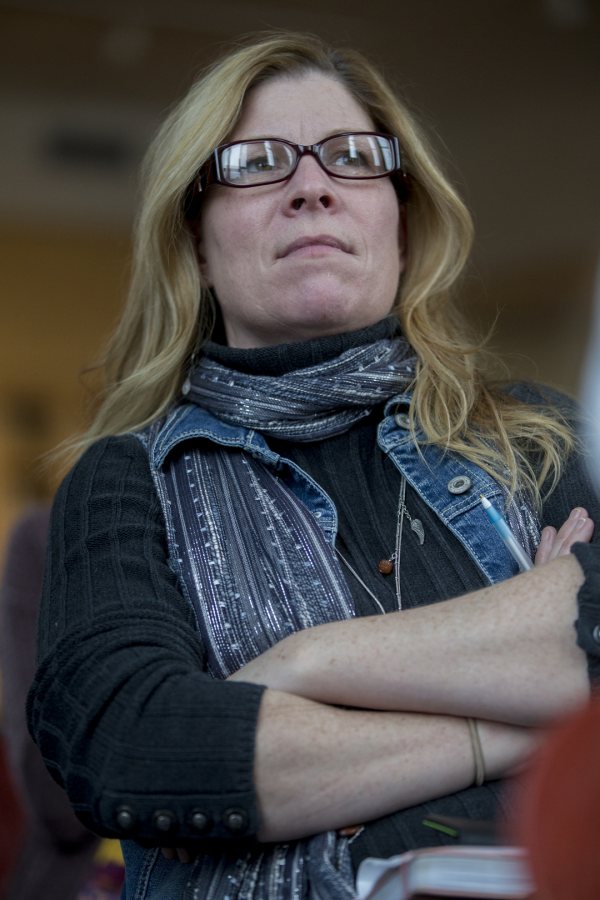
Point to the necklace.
(361, 582)
(387, 566)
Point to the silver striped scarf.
(307, 404)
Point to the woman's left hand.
(275, 667)
(182, 854)
(577, 528)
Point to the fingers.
(544, 550)
(577, 528)
(180, 853)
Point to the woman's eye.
(260, 164)
(348, 160)
(355, 161)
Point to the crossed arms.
(506, 655)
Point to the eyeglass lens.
(344, 155)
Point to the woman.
(295, 434)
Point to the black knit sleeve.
(588, 622)
(147, 745)
(575, 489)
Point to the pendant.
(385, 566)
(417, 526)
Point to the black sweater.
(121, 708)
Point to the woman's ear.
(403, 237)
(203, 264)
(194, 227)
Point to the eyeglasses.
(355, 155)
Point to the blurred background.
(508, 89)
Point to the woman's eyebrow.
(279, 137)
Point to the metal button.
(163, 820)
(125, 818)
(596, 633)
(199, 821)
(235, 820)
(460, 484)
(402, 420)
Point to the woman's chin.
(305, 317)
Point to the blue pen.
(510, 541)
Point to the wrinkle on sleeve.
(126, 717)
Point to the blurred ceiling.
(510, 90)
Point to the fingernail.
(580, 523)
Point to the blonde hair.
(170, 312)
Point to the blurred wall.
(509, 90)
(61, 291)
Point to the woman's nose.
(310, 186)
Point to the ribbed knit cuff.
(587, 624)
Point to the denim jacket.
(449, 484)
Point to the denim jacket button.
(402, 420)
(460, 484)
(596, 633)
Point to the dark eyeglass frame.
(211, 172)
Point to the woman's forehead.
(303, 108)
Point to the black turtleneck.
(364, 486)
(283, 358)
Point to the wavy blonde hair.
(170, 312)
